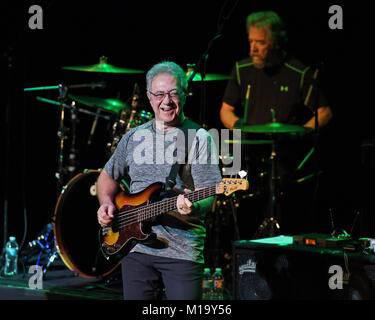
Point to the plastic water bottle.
(218, 279)
(207, 284)
(11, 257)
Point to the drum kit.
(261, 147)
(275, 131)
(73, 233)
(260, 163)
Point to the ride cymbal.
(104, 67)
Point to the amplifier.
(277, 268)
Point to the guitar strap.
(171, 179)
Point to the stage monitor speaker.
(279, 272)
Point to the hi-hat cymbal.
(112, 105)
(208, 77)
(104, 67)
(275, 127)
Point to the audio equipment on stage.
(279, 269)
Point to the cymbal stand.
(270, 226)
(63, 89)
(274, 190)
(48, 247)
(72, 161)
(62, 137)
(134, 105)
(43, 247)
(233, 206)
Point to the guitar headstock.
(228, 186)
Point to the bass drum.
(77, 230)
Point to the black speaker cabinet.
(274, 272)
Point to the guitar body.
(119, 242)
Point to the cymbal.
(208, 76)
(112, 105)
(274, 127)
(246, 141)
(104, 67)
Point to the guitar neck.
(192, 196)
(160, 207)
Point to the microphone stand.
(204, 57)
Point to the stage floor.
(59, 283)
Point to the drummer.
(271, 79)
(271, 86)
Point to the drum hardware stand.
(234, 206)
(93, 127)
(72, 161)
(219, 208)
(117, 125)
(270, 227)
(134, 105)
(214, 246)
(42, 248)
(124, 125)
(72, 106)
(61, 133)
(45, 241)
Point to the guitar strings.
(168, 202)
(128, 217)
(150, 211)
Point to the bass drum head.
(76, 227)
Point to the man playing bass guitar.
(172, 257)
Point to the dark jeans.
(144, 277)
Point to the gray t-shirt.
(145, 155)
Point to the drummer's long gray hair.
(171, 68)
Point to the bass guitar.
(135, 209)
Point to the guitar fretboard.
(151, 210)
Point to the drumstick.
(310, 88)
(247, 102)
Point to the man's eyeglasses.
(173, 94)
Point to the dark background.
(138, 34)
